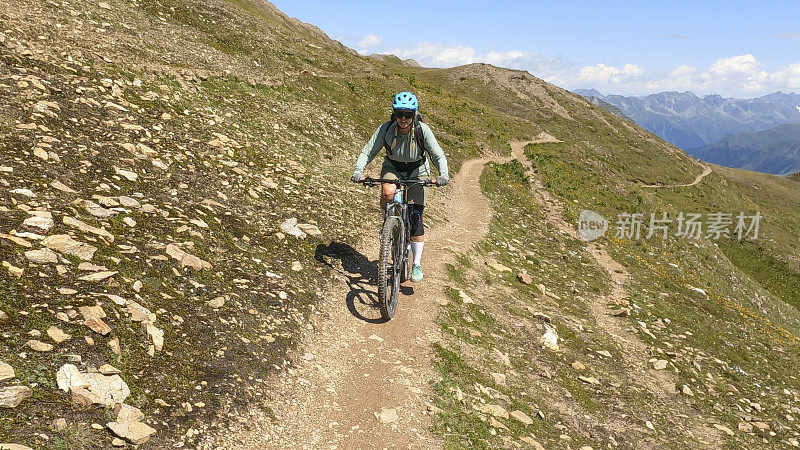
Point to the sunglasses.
(404, 114)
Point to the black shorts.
(414, 195)
(415, 219)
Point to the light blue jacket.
(404, 149)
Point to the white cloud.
(554, 69)
(742, 64)
(682, 70)
(788, 76)
(500, 58)
(632, 70)
(438, 54)
(599, 73)
(735, 76)
(370, 40)
(604, 73)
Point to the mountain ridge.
(689, 121)
(776, 150)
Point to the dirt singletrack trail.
(359, 382)
(706, 171)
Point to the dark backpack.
(420, 136)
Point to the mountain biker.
(405, 160)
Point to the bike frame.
(398, 269)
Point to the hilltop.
(178, 235)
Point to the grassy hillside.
(204, 126)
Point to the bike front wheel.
(390, 266)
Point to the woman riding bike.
(406, 140)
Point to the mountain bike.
(394, 264)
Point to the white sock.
(416, 247)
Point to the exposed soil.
(354, 365)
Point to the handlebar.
(408, 183)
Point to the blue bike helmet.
(405, 100)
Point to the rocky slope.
(174, 179)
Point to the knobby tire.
(389, 269)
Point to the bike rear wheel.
(390, 266)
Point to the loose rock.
(14, 270)
(42, 256)
(69, 377)
(14, 447)
(39, 346)
(102, 390)
(217, 302)
(98, 276)
(61, 187)
(589, 380)
(496, 266)
(660, 364)
(724, 429)
(289, 226)
(139, 313)
(114, 346)
(185, 259)
(42, 223)
(86, 228)
(127, 413)
(550, 338)
(12, 396)
(387, 415)
(6, 371)
(156, 336)
(59, 425)
(65, 244)
(493, 410)
(311, 230)
(522, 417)
(136, 433)
(58, 335)
(108, 369)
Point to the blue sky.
(734, 48)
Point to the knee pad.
(415, 217)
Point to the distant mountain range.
(689, 121)
(742, 133)
(776, 150)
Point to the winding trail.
(706, 171)
(353, 366)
